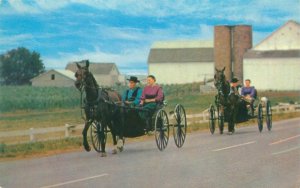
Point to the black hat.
(134, 79)
(234, 80)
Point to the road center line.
(234, 146)
(285, 151)
(284, 140)
(75, 181)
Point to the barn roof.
(66, 73)
(181, 55)
(277, 32)
(95, 68)
(251, 54)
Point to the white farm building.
(274, 63)
(177, 62)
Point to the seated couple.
(148, 98)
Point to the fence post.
(31, 134)
(67, 134)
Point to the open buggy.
(233, 108)
(105, 112)
(135, 126)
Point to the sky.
(123, 31)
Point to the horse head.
(82, 74)
(219, 78)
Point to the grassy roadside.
(40, 149)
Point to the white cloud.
(14, 39)
(22, 7)
(129, 58)
(251, 12)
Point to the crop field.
(23, 107)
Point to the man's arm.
(138, 97)
(124, 96)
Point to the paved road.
(245, 159)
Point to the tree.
(19, 65)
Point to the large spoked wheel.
(161, 129)
(179, 129)
(269, 115)
(212, 119)
(260, 117)
(98, 133)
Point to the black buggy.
(261, 111)
(135, 126)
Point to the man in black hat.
(234, 84)
(132, 96)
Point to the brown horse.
(226, 101)
(99, 107)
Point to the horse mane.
(93, 80)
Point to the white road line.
(234, 146)
(285, 151)
(74, 181)
(284, 140)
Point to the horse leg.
(84, 134)
(230, 122)
(102, 140)
(114, 137)
(120, 144)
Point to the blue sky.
(123, 31)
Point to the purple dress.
(153, 92)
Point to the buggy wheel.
(269, 115)
(98, 134)
(161, 129)
(212, 119)
(179, 129)
(260, 117)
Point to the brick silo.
(230, 44)
(222, 49)
(242, 41)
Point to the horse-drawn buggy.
(233, 108)
(105, 112)
(135, 126)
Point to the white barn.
(178, 62)
(274, 63)
(54, 78)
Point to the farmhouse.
(274, 63)
(177, 62)
(54, 78)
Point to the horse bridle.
(219, 83)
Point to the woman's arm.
(160, 95)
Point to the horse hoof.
(114, 151)
(103, 154)
(87, 147)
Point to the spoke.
(165, 142)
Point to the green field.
(23, 107)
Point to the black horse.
(227, 102)
(99, 107)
